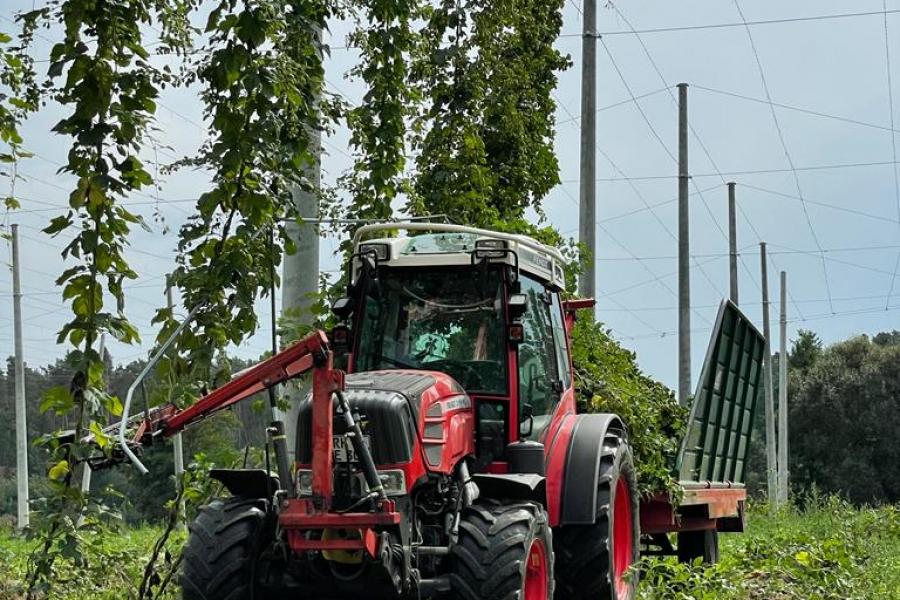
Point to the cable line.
(851, 211)
(799, 109)
(696, 136)
(664, 146)
(787, 154)
(743, 23)
(890, 90)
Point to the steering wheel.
(473, 378)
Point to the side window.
(538, 370)
(559, 339)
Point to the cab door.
(543, 367)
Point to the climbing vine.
(385, 39)
(261, 79)
(485, 135)
(17, 98)
(100, 74)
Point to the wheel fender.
(512, 486)
(246, 483)
(578, 501)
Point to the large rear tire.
(223, 548)
(504, 552)
(592, 560)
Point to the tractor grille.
(385, 418)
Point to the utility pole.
(587, 212)
(732, 244)
(783, 470)
(684, 253)
(771, 462)
(300, 271)
(21, 423)
(177, 440)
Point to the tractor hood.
(397, 408)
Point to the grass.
(112, 570)
(828, 551)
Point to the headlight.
(382, 252)
(491, 248)
(394, 482)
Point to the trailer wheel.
(698, 544)
(592, 560)
(504, 552)
(220, 558)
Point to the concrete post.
(300, 276)
(177, 440)
(23, 513)
(732, 245)
(587, 214)
(783, 464)
(684, 253)
(771, 459)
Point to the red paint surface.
(537, 577)
(556, 450)
(623, 538)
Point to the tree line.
(844, 415)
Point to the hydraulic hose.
(362, 451)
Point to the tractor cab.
(481, 307)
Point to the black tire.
(222, 551)
(585, 567)
(698, 544)
(495, 544)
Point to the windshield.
(448, 320)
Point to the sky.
(800, 118)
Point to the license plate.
(344, 451)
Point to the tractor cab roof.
(440, 245)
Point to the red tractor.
(449, 461)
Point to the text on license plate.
(344, 451)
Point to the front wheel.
(504, 552)
(593, 561)
(222, 552)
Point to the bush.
(608, 380)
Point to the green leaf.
(101, 439)
(59, 471)
(58, 399)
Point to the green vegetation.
(830, 550)
(844, 418)
(112, 568)
(608, 380)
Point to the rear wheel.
(592, 561)
(222, 551)
(504, 552)
(699, 544)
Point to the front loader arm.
(295, 361)
(311, 354)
